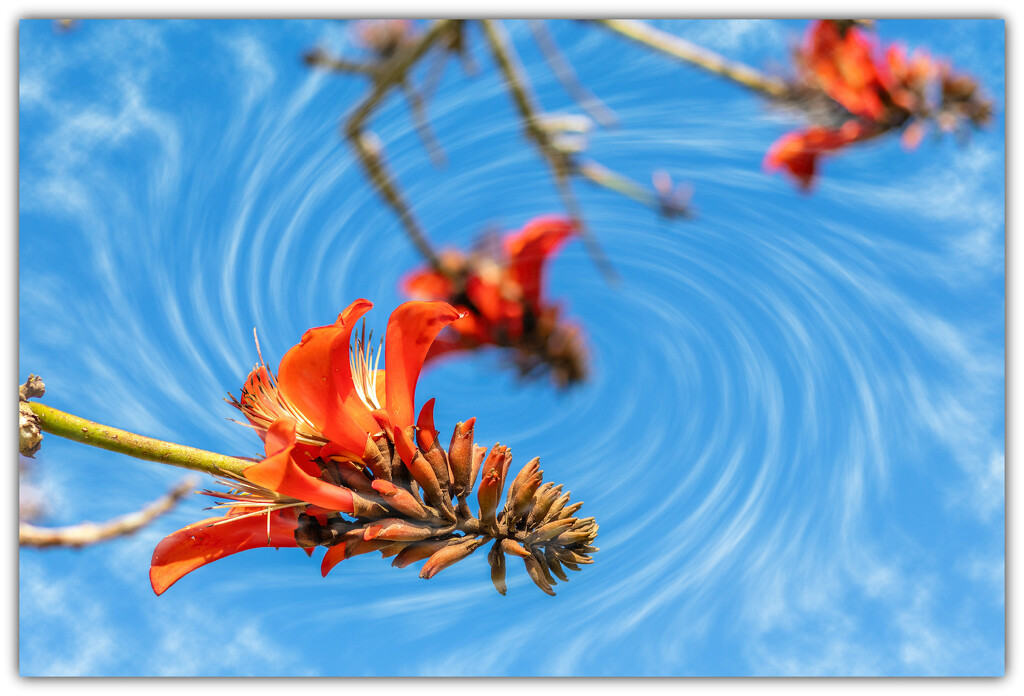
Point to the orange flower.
(346, 467)
(328, 404)
(878, 93)
(798, 152)
(501, 293)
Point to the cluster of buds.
(347, 468)
(420, 511)
(868, 93)
(499, 288)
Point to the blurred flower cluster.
(499, 287)
(869, 93)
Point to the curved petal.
(529, 251)
(412, 327)
(198, 544)
(427, 285)
(308, 381)
(284, 475)
(426, 434)
(404, 445)
(281, 435)
(334, 556)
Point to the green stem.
(89, 433)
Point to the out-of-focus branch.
(693, 54)
(558, 158)
(89, 533)
(393, 73)
(668, 201)
(319, 59)
(422, 123)
(89, 433)
(563, 70)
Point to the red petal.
(412, 327)
(427, 285)
(282, 474)
(198, 544)
(334, 556)
(530, 249)
(308, 381)
(404, 446)
(425, 431)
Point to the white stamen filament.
(364, 378)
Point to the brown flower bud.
(377, 461)
(478, 459)
(497, 560)
(418, 550)
(397, 529)
(460, 457)
(401, 500)
(421, 470)
(549, 531)
(449, 555)
(554, 565)
(533, 569)
(545, 498)
(514, 548)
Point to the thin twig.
(393, 74)
(602, 176)
(89, 533)
(319, 59)
(87, 432)
(563, 70)
(696, 55)
(561, 166)
(422, 124)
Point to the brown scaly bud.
(396, 529)
(537, 523)
(345, 474)
(533, 569)
(439, 463)
(478, 460)
(30, 437)
(546, 497)
(367, 507)
(377, 462)
(532, 467)
(460, 457)
(449, 555)
(523, 500)
(552, 562)
(513, 548)
(424, 475)
(418, 550)
(487, 497)
(402, 501)
(497, 560)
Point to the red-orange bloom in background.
(875, 92)
(500, 287)
(329, 403)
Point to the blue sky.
(793, 438)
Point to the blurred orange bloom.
(878, 91)
(501, 293)
(798, 152)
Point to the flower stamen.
(364, 377)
